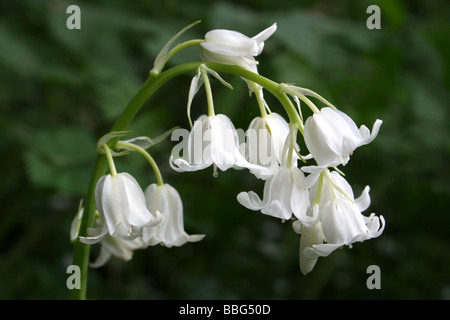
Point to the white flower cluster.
(130, 218)
(319, 199)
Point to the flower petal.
(102, 258)
(277, 209)
(181, 165)
(375, 129)
(278, 193)
(250, 200)
(135, 202)
(316, 132)
(373, 224)
(363, 201)
(265, 34)
(342, 222)
(197, 151)
(300, 201)
(310, 237)
(229, 42)
(320, 250)
(112, 199)
(170, 232)
(297, 226)
(94, 235)
(279, 130)
(314, 174)
(75, 225)
(265, 139)
(224, 142)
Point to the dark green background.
(60, 90)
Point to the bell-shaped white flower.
(212, 140)
(121, 204)
(284, 195)
(331, 136)
(309, 236)
(286, 192)
(234, 48)
(265, 140)
(340, 216)
(170, 232)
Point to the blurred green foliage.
(62, 89)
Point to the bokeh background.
(61, 89)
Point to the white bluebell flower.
(170, 232)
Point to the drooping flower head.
(234, 48)
(265, 140)
(121, 204)
(170, 231)
(283, 195)
(340, 215)
(213, 140)
(286, 191)
(331, 136)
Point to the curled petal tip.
(265, 34)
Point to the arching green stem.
(147, 156)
